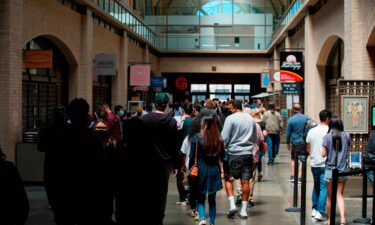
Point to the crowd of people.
(95, 165)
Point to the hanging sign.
(291, 88)
(291, 68)
(157, 82)
(38, 59)
(266, 80)
(140, 75)
(105, 64)
(181, 83)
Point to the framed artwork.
(354, 113)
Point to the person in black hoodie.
(150, 159)
(14, 204)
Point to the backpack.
(310, 123)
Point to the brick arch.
(326, 50)
(371, 38)
(67, 40)
(65, 50)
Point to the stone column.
(121, 86)
(353, 25)
(276, 66)
(81, 77)
(10, 75)
(314, 84)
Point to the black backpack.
(369, 156)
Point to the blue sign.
(265, 80)
(157, 82)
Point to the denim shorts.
(328, 176)
(239, 166)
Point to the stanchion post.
(294, 208)
(364, 218)
(303, 190)
(335, 178)
(373, 200)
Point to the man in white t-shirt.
(314, 141)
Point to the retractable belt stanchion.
(295, 188)
(373, 200)
(364, 202)
(303, 190)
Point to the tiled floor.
(272, 196)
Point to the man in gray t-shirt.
(239, 134)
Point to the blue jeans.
(272, 140)
(319, 194)
(211, 205)
(370, 176)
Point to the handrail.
(288, 16)
(120, 12)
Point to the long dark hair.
(336, 126)
(212, 139)
(2, 156)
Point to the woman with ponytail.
(335, 147)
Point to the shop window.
(220, 88)
(198, 88)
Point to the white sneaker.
(183, 204)
(320, 217)
(313, 212)
(202, 222)
(192, 213)
(196, 216)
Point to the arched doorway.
(43, 87)
(333, 72)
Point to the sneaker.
(250, 204)
(299, 180)
(231, 213)
(260, 176)
(313, 212)
(242, 216)
(291, 179)
(196, 217)
(320, 217)
(202, 222)
(192, 213)
(183, 204)
(238, 200)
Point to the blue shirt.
(294, 128)
(333, 154)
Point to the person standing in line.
(369, 157)
(239, 135)
(14, 204)
(274, 123)
(150, 159)
(44, 142)
(77, 182)
(314, 141)
(183, 131)
(335, 147)
(207, 147)
(257, 114)
(194, 128)
(294, 138)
